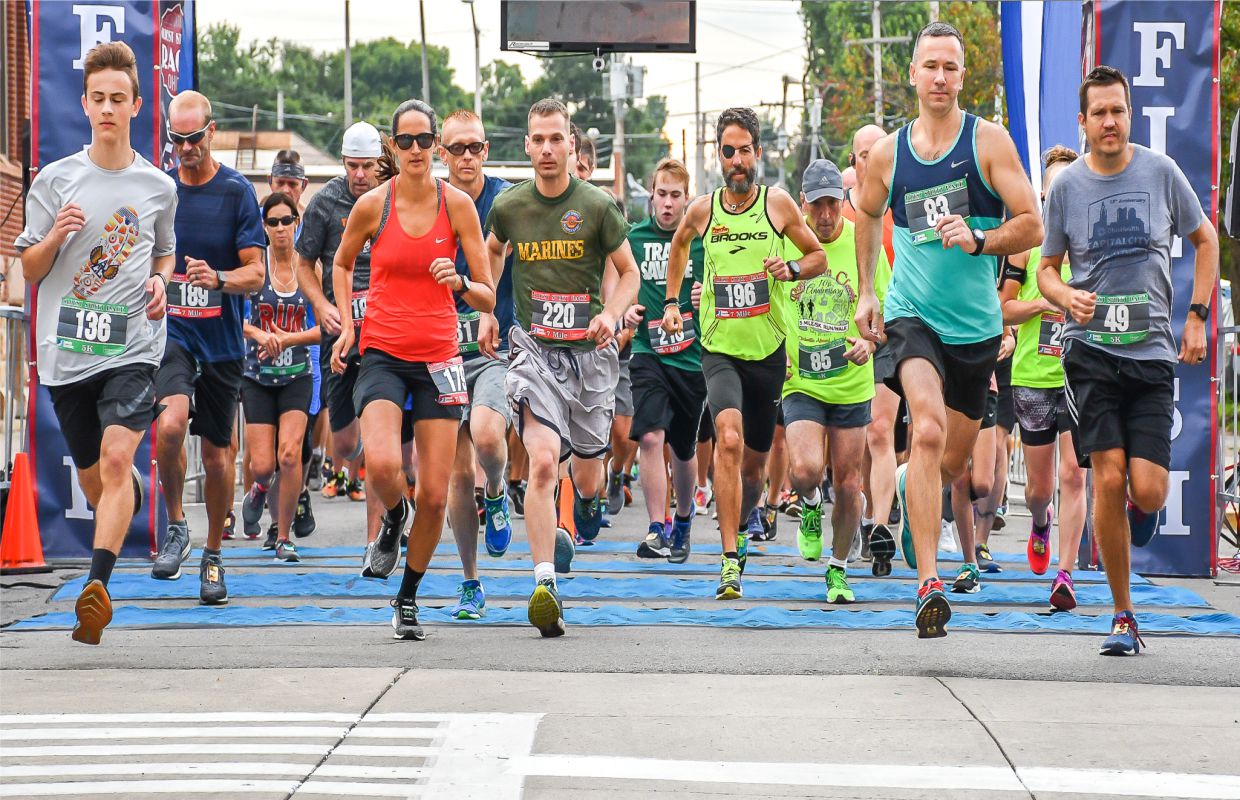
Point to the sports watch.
(1201, 310)
(979, 237)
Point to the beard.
(741, 186)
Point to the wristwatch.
(794, 267)
(464, 284)
(1200, 309)
(979, 237)
(219, 277)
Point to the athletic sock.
(813, 499)
(396, 514)
(544, 570)
(207, 552)
(867, 521)
(732, 554)
(684, 518)
(835, 562)
(101, 564)
(409, 583)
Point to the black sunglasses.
(459, 149)
(192, 138)
(275, 222)
(729, 151)
(405, 140)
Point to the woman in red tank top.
(409, 346)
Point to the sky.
(744, 46)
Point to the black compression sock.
(732, 554)
(683, 518)
(101, 564)
(409, 583)
(396, 514)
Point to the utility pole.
(619, 90)
(699, 158)
(279, 109)
(348, 70)
(815, 124)
(876, 42)
(934, 10)
(473, 17)
(426, 69)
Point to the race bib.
(1050, 334)
(925, 207)
(823, 361)
(358, 305)
(742, 296)
(284, 365)
(1120, 319)
(449, 378)
(193, 302)
(95, 329)
(467, 331)
(666, 344)
(562, 317)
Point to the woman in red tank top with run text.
(409, 342)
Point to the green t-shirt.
(651, 246)
(1039, 341)
(817, 316)
(560, 246)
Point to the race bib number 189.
(193, 302)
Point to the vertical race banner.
(1169, 50)
(61, 34)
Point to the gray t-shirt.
(1117, 231)
(92, 304)
(322, 228)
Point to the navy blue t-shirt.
(503, 293)
(214, 222)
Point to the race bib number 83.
(925, 207)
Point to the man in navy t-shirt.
(219, 261)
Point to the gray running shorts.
(485, 379)
(624, 391)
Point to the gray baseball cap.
(822, 179)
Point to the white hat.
(361, 140)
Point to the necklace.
(744, 202)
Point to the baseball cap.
(822, 179)
(361, 140)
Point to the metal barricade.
(14, 325)
(1227, 446)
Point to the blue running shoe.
(906, 532)
(588, 517)
(499, 529)
(564, 551)
(1142, 525)
(1124, 639)
(473, 602)
(656, 543)
(753, 526)
(680, 539)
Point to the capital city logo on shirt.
(571, 221)
(120, 234)
(1119, 229)
(825, 304)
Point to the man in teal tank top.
(949, 179)
(742, 227)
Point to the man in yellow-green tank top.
(742, 227)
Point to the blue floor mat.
(130, 586)
(1217, 624)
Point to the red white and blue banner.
(161, 34)
(1169, 50)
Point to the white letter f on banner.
(1156, 51)
(92, 30)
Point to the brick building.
(14, 115)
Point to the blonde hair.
(674, 168)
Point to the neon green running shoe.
(742, 549)
(809, 535)
(729, 580)
(838, 590)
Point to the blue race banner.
(61, 34)
(1170, 52)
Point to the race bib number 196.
(925, 207)
(95, 329)
(741, 296)
(449, 378)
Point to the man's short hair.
(583, 145)
(191, 98)
(673, 168)
(1103, 75)
(111, 55)
(548, 106)
(936, 29)
(742, 117)
(463, 116)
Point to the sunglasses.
(459, 149)
(729, 151)
(405, 140)
(276, 222)
(192, 138)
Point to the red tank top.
(408, 315)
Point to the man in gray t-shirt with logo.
(1115, 214)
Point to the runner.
(1114, 214)
(99, 243)
(742, 226)
(1042, 408)
(484, 348)
(668, 388)
(278, 384)
(562, 376)
(220, 243)
(288, 176)
(830, 381)
(413, 277)
(948, 177)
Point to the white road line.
(215, 749)
(195, 732)
(359, 789)
(205, 716)
(474, 756)
(1132, 782)
(186, 788)
(382, 751)
(257, 768)
(360, 771)
(364, 731)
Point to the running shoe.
(286, 551)
(587, 517)
(628, 486)
(367, 554)
(933, 610)
(386, 551)
(272, 535)
(94, 612)
(1063, 593)
(230, 526)
(809, 534)
(729, 580)
(498, 525)
(357, 493)
(1125, 639)
(472, 603)
(405, 620)
(894, 517)
(615, 494)
(545, 611)
(211, 588)
(702, 497)
(969, 581)
(336, 485)
(516, 490)
(838, 590)
(1039, 548)
(865, 541)
(481, 505)
(172, 552)
(742, 549)
(139, 494)
(252, 506)
(314, 472)
(906, 532)
(656, 544)
(985, 562)
(304, 523)
(678, 551)
(947, 538)
(565, 549)
(793, 505)
(753, 525)
(854, 551)
(770, 522)
(1142, 525)
(883, 549)
(1000, 521)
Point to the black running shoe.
(405, 620)
(304, 523)
(516, 492)
(883, 549)
(211, 588)
(270, 542)
(386, 550)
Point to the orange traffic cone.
(21, 549)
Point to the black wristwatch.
(219, 277)
(1200, 309)
(794, 267)
(464, 284)
(979, 237)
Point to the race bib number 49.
(562, 317)
(925, 207)
(667, 344)
(193, 302)
(742, 296)
(95, 329)
(449, 378)
(1120, 319)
